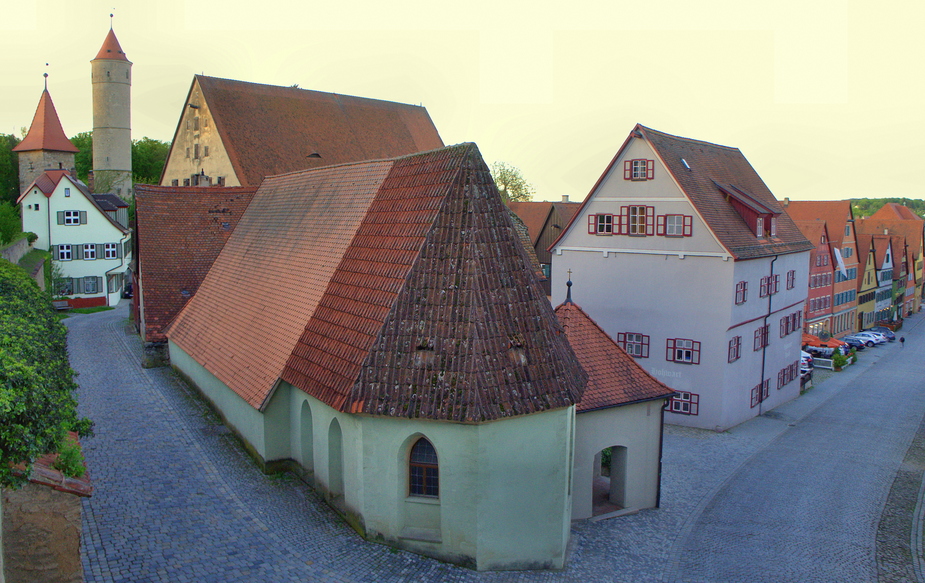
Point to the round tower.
(112, 119)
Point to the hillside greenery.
(865, 207)
(37, 402)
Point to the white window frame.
(71, 218)
(111, 251)
(89, 251)
(90, 285)
(65, 253)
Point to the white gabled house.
(88, 243)
(686, 259)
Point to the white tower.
(112, 119)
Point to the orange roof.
(394, 287)
(268, 130)
(896, 211)
(533, 214)
(614, 377)
(111, 49)
(834, 213)
(179, 233)
(46, 132)
(910, 229)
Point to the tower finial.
(110, 20)
(568, 294)
(46, 77)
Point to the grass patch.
(32, 259)
(92, 310)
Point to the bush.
(31, 237)
(839, 360)
(37, 404)
(70, 460)
(10, 223)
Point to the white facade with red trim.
(725, 333)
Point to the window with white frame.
(763, 289)
(636, 220)
(639, 169)
(90, 286)
(773, 226)
(64, 253)
(735, 348)
(759, 227)
(600, 224)
(774, 284)
(90, 251)
(791, 278)
(741, 292)
(111, 251)
(682, 350)
(684, 403)
(674, 225)
(761, 391)
(71, 217)
(634, 344)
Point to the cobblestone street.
(796, 494)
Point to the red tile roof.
(111, 49)
(179, 233)
(394, 288)
(910, 229)
(711, 168)
(533, 214)
(895, 211)
(835, 213)
(46, 132)
(269, 130)
(48, 181)
(614, 377)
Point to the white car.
(806, 359)
(871, 338)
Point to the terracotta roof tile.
(614, 377)
(111, 49)
(835, 213)
(712, 165)
(179, 233)
(46, 132)
(895, 211)
(269, 130)
(534, 214)
(396, 288)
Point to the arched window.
(423, 473)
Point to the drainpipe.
(764, 348)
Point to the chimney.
(564, 198)
(786, 201)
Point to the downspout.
(661, 441)
(764, 348)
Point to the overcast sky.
(825, 98)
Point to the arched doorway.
(335, 464)
(608, 484)
(306, 441)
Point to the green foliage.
(865, 207)
(9, 168)
(31, 237)
(148, 159)
(37, 404)
(70, 460)
(83, 160)
(10, 223)
(92, 310)
(511, 183)
(838, 359)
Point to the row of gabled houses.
(864, 271)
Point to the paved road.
(794, 495)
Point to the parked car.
(871, 338)
(854, 342)
(820, 351)
(885, 331)
(806, 359)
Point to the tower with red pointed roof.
(46, 146)
(112, 131)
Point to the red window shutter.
(669, 350)
(688, 225)
(650, 220)
(660, 225)
(650, 169)
(627, 170)
(645, 346)
(695, 404)
(624, 220)
(696, 353)
(592, 224)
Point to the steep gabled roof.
(835, 213)
(109, 202)
(179, 233)
(704, 171)
(395, 287)
(268, 130)
(882, 244)
(111, 49)
(813, 231)
(49, 180)
(710, 165)
(46, 132)
(895, 211)
(614, 377)
(910, 229)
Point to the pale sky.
(824, 97)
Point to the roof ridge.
(689, 140)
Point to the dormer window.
(639, 169)
(773, 226)
(759, 228)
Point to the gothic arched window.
(423, 471)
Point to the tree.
(10, 222)
(37, 405)
(9, 168)
(148, 159)
(865, 207)
(511, 183)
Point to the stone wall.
(41, 535)
(15, 251)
